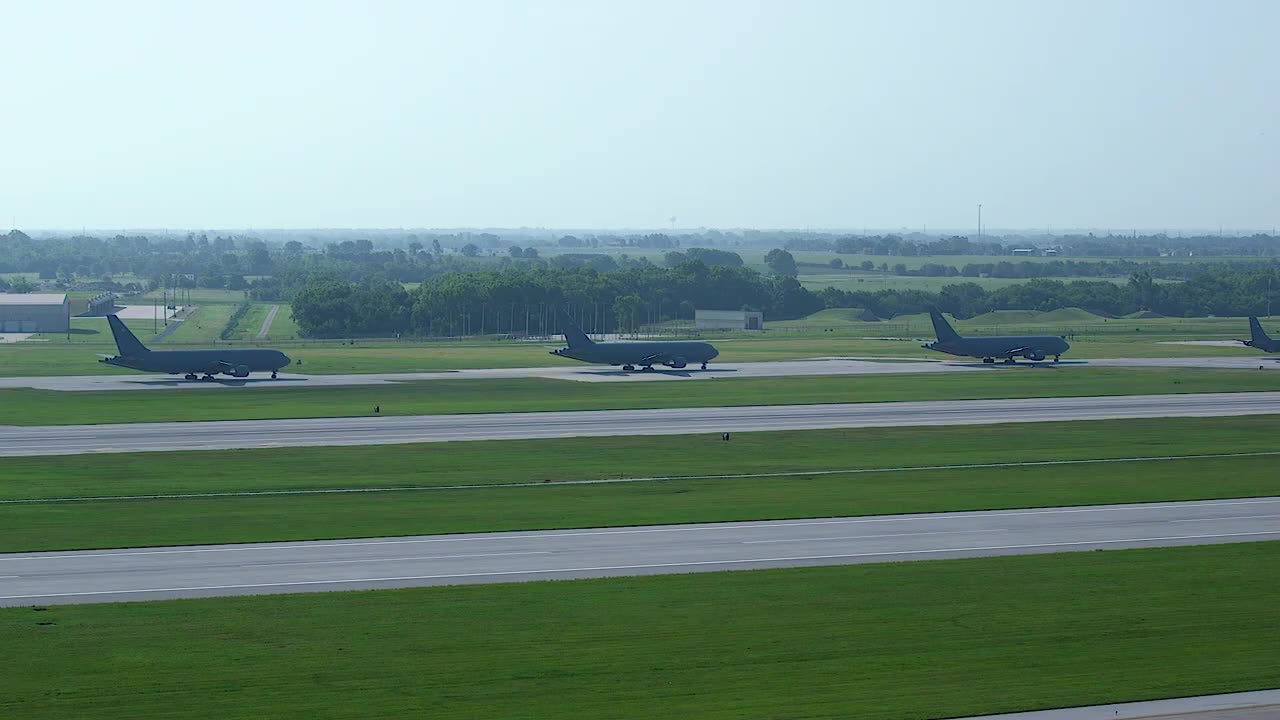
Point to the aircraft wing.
(652, 358)
(1017, 350)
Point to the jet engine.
(677, 362)
(239, 371)
(1033, 355)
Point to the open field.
(879, 642)
(201, 296)
(908, 479)
(428, 397)
(202, 326)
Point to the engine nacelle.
(677, 363)
(1033, 355)
(239, 371)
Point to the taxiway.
(598, 373)
(207, 571)
(388, 430)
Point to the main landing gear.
(628, 368)
(988, 361)
(1009, 361)
(191, 376)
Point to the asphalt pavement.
(599, 373)
(206, 571)
(387, 430)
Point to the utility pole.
(979, 221)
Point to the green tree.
(781, 262)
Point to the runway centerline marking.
(871, 537)
(643, 566)
(714, 527)
(395, 559)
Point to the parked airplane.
(1260, 339)
(1031, 347)
(195, 364)
(644, 354)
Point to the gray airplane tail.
(126, 342)
(942, 328)
(573, 334)
(1259, 335)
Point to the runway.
(221, 435)
(1256, 705)
(207, 571)
(598, 373)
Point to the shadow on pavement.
(229, 382)
(656, 371)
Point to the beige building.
(728, 320)
(35, 313)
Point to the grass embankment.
(102, 523)
(872, 642)
(428, 397)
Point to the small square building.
(35, 313)
(728, 320)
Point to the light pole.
(979, 220)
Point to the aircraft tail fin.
(942, 328)
(573, 335)
(126, 342)
(1258, 334)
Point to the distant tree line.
(1025, 270)
(1216, 291)
(525, 300)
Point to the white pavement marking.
(610, 481)
(641, 566)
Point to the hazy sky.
(840, 114)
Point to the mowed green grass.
(903, 641)
(50, 407)
(203, 326)
(495, 465)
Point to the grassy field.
(427, 397)
(911, 483)
(875, 642)
(201, 296)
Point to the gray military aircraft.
(1031, 347)
(643, 354)
(1260, 340)
(195, 364)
